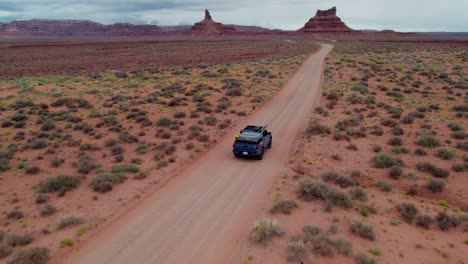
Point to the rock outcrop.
(325, 21)
(210, 27)
(65, 28)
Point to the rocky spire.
(207, 15)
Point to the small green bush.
(5, 250)
(316, 128)
(364, 259)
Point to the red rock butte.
(210, 27)
(325, 21)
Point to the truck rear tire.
(260, 157)
(269, 144)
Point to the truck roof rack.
(254, 128)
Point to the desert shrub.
(34, 255)
(462, 146)
(86, 163)
(384, 186)
(42, 198)
(48, 210)
(179, 115)
(310, 189)
(420, 152)
(445, 154)
(311, 232)
(460, 135)
(38, 144)
(16, 240)
(398, 131)
(295, 250)
(71, 220)
(117, 149)
(364, 259)
(445, 221)
(339, 178)
(408, 211)
(432, 169)
(127, 138)
(164, 122)
(5, 250)
(104, 182)
(435, 185)
(377, 148)
(368, 209)
(424, 221)
(428, 141)
(395, 172)
(355, 98)
(56, 162)
(335, 197)
(283, 206)
(265, 230)
(210, 120)
(460, 167)
(203, 138)
(122, 168)
(61, 183)
(395, 141)
(32, 169)
(359, 194)
(15, 214)
(332, 95)
(362, 230)
(384, 160)
(316, 128)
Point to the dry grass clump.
(34, 255)
(264, 231)
(310, 189)
(384, 160)
(71, 220)
(408, 211)
(61, 183)
(283, 207)
(362, 230)
(105, 182)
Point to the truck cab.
(252, 141)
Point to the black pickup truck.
(252, 141)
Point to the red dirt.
(200, 216)
(35, 57)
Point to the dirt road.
(201, 216)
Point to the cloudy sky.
(401, 15)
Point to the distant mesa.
(210, 27)
(68, 28)
(325, 21)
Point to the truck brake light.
(257, 148)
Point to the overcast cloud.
(401, 15)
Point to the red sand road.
(201, 216)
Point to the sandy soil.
(199, 217)
(349, 67)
